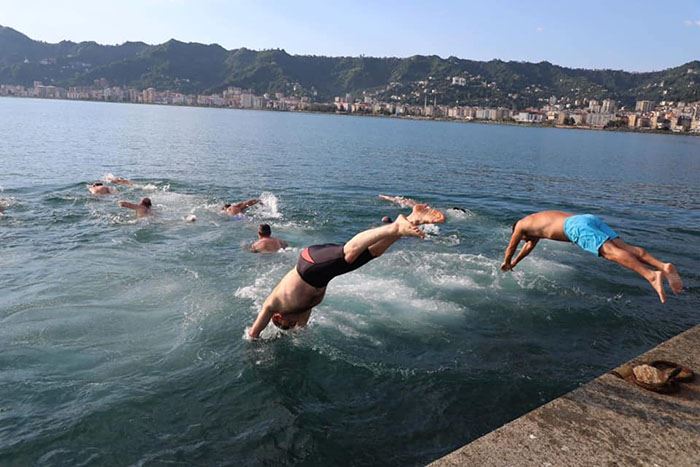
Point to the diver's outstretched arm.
(526, 250)
(261, 321)
(510, 251)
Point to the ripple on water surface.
(124, 338)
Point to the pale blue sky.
(639, 35)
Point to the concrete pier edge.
(607, 421)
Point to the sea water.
(122, 340)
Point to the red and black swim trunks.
(318, 264)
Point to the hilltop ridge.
(191, 67)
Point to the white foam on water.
(545, 266)
(456, 214)
(174, 206)
(268, 207)
(447, 270)
(430, 229)
(119, 219)
(151, 187)
(454, 282)
(449, 240)
(261, 286)
(376, 293)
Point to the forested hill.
(199, 68)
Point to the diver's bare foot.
(407, 228)
(658, 283)
(424, 214)
(673, 278)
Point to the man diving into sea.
(593, 235)
(304, 287)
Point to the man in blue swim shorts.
(304, 286)
(595, 236)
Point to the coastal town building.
(678, 117)
(643, 106)
(608, 106)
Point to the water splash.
(269, 206)
(454, 214)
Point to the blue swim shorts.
(589, 232)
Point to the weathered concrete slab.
(605, 422)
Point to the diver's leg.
(624, 258)
(401, 227)
(668, 269)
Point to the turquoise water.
(122, 340)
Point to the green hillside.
(199, 68)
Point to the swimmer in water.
(400, 200)
(142, 209)
(266, 243)
(593, 235)
(117, 180)
(304, 287)
(239, 208)
(98, 188)
(408, 203)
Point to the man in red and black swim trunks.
(304, 287)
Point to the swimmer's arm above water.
(248, 203)
(261, 321)
(512, 246)
(400, 200)
(126, 204)
(527, 248)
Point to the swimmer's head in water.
(387, 220)
(146, 202)
(457, 208)
(264, 230)
(226, 206)
(97, 184)
(282, 322)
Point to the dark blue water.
(121, 341)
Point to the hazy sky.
(638, 35)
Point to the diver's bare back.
(293, 295)
(545, 224)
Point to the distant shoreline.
(397, 117)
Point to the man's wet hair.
(264, 230)
(387, 220)
(146, 202)
(97, 184)
(226, 206)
